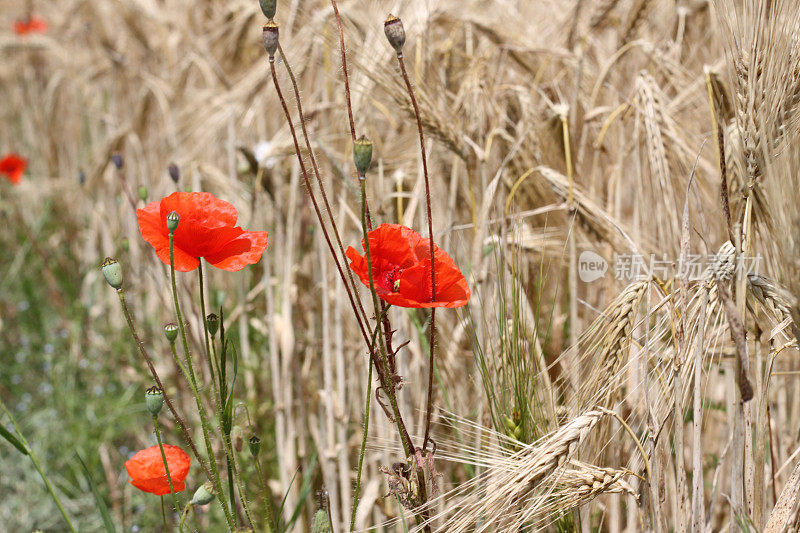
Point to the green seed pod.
(143, 193)
(255, 445)
(171, 332)
(204, 494)
(112, 271)
(321, 522)
(173, 218)
(270, 36)
(212, 323)
(395, 33)
(268, 8)
(126, 244)
(174, 172)
(154, 400)
(362, 154)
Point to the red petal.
(146, 469)
(207, 223)
(154, 231)
(240, 252)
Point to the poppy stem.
(362, 450)
(385, 376)
(303, 171)
(35, 460)
(271, 527)
(166, 469)
(186, 435)
(361, 315)
(429, 403)
(217, 400)
(215, 478)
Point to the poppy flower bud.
(237, 438)
(174, 172)
(268, 8)
(143, 193)
(171, 332)
(205, 494)
(395, 33)
(321, 522)
(117, 160)
(270, 35)
(154, 400)
(173, 218)
(212, 323)
(255, 446)
(362, 154)
(112, 271)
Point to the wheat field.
(617, 180)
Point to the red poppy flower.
(31, 25)
(13, 167)
(401, 269)
(147, 472)
(206, 229)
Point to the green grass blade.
(98, 498)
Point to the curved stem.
(432, 254)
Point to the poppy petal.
(147, 472)
(240, 252)
(154, 232)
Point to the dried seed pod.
(270, 35)
(395, 33)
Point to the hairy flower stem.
(35, 461)
(386, 379)
(270, 521)
(432, 328)
(344, 70)
(209, 358)
(362, 450)
(304, 172)
(166, 467)
(186, 435)
(361, 315)
(193, 381)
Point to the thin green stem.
(184, 515)
(164, 511)
(386, 379)
(271, 527)
(193, 380)
(166, 468)
(35, 461)
(367, 403)
(167, 400)
(208, 343)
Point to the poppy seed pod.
(255, 445)
(268, 8)
(204, 494)
(173, 218)
(362, 154)
(143, 193)
(395, 33)
(270, 35)
(117, 160)
(154, 400)
(112, 271)
(174, 172)
(171, 332)
(321, 522)
(212, 323)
